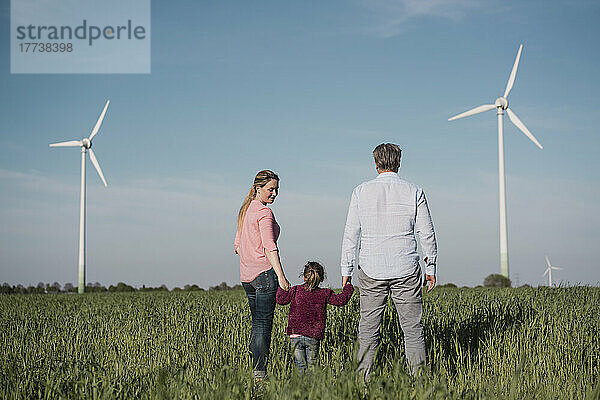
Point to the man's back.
(384, 214)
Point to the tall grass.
(481, 343)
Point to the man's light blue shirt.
(384, 215)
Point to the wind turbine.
(549, 271)
(85, 144)
(501, 104)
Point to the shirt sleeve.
(342, 298)
(424, 228)
(236, 242)
(265, 227)
(351, 236)
(283, 297)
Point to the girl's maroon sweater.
(308, 308)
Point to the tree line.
(55, 288)
(494, 280)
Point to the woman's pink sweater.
(259, 233)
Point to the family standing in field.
(383, 218)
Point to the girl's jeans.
(261, 298)
(306, 351)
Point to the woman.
(260, 267)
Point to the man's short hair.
(387, 157)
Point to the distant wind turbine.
(549, 271)
(85, 144)
(500, 105)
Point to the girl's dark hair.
(313, 275)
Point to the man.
(384, 215)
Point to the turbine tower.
(549, 271)
(501, 105)
(85, 144)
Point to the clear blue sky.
(308, 89)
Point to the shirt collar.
(388, 174)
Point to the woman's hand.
(283, 282)
(273, 257)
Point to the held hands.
(283, 283)
(346, 280)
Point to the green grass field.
(481, 343)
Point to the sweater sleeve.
(342, 298)
(283, 297)
(265, 227)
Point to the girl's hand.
(283, 282)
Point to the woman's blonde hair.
(261, 179)
(314, 274)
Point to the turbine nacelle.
(86, 143)
(501, 102)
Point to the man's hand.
(430, 282)
(346, 280)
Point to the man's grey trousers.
(406, 295)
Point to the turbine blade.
(476, 110)
(515, 120)
(95, 162)
(546, 272)
(70, 143)
(553, 267)
(513, 73)
(547, 261)
(99, 122)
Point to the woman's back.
(259, 233)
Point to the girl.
(306, 321)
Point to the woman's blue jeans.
(261, 298)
